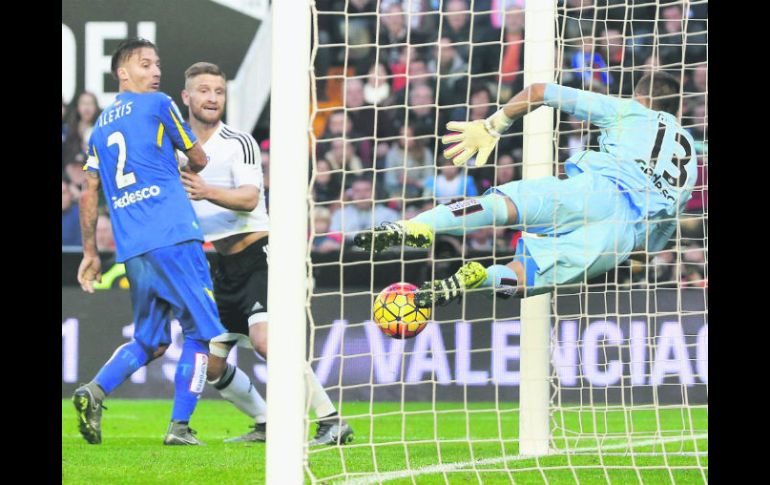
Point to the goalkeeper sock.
(467, 214)
(126, 360)
(235, 386)
(190, 378)
(499, 276)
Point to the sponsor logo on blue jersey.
(136, 196)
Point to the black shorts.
(240, 287)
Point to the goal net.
(627, 376)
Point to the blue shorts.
(168, 282)
(578, 228)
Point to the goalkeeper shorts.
(577, 228)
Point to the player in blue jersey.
(157, 236)
(622, 199)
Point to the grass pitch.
(421, 443)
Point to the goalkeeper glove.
(475, 136)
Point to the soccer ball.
(396, 313)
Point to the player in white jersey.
(229, 200)
(622, 199)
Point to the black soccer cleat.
(470, 275)
(89, 411)
(412, 233)
(181, 434)
(332, 431)
(257, 435)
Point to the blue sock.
(126, 360)
(189, 378)
(499, 275)
(467, 214)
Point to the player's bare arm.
(528, 99)
(196, 159)
(91, 265)
(243, 198)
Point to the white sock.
(235, 386)
(319, 400)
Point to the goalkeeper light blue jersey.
(132, 146)
(646, 153)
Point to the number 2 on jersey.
(121, 179)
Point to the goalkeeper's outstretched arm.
(528, 99)
(480, 137)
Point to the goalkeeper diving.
(622, 199)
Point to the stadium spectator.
(327, 186)
(424, 17)
(450, 183)
(360, 120)
(408, 164)
(507, 170)
(453, 74)
(393, 32)
(578, 20)
(377, 87)
(456, 25)
(481, 104)
(360, 211)
(81, 116)
(343, 156)
(338, 125)
(699, 79)
(613, 48)
(324, 241)
(614, 45)
(697, 87)
(678, 45)
(70, 217)
(362, 114)
(512, 62)
(421, 110)
(591, 66)
(504, 171)
(484, 44)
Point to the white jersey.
(234, 160)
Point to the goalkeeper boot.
(332, 430)
(470, 275)
(258, 434)
(412, 233)
(89, 410)
(181, 434)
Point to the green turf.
(474, 445)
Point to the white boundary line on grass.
(449, 467)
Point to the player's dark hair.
(203, 68)
(663, 90)
(126, 49)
